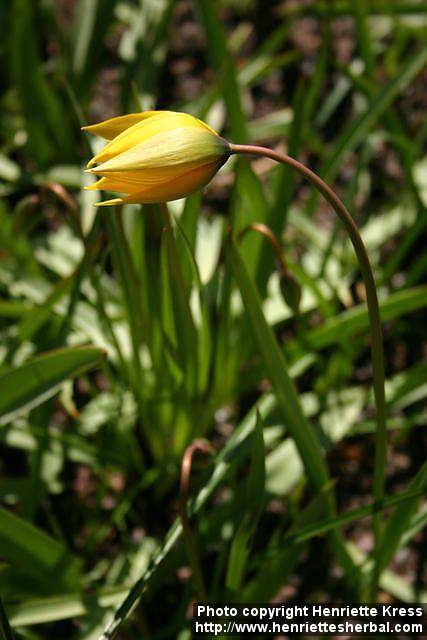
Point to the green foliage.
(254, 499)
(23, 388)
(127, 333)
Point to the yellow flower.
(156, 156)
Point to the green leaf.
(39, 315)
(390, 582)
(47, 121)
(356, 319)
(305, 101)
(143, 48)
(276, 567)
(205, 339)
(363, 35)
(131, 292)
(5, 630)
(275, 365)
(187, 337)
(34, 553)
(399, 522)
(255, 489)
(347, 8)
(404, 499)
(92, 19)
(225, 68)
(25, 387)
(62, 607)
(249, 205)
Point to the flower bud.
(156, 156)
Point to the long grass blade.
(23, 388)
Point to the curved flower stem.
(190, 542)
(374, 321)
(267, 233)
(292, 291)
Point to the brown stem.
(374, 320)
(62, 194)
(190, 543)
(267, 233)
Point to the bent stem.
(374, 323)
(292, 293)
(267, 233)
(187, 532)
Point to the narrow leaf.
(34, 553)
(255, 487)
(23, 388)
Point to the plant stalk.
(261, 228)
(189, 539)
(374, 323)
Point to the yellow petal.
(166, 151)
(98, 185)
(176, 188)
(158, 122)
(126, 138)
(107, 203)
(113, 184)
(111, 128)
(149, 177)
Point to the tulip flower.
(155, 156)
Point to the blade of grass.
(404, 148)
(390, 582)
(224, 66)
(318, 528)
(187, 336)
(347, 323)
(277, 566)
(399, 522)
(363, 36)
(417, 524)
(130, 288)
(63, 607)
(5, 630)
(47, 121)
(89, 29)
(144, 50)
(137, 323)
(286, 183)
(41, 314)
(358, 129)
(346, 8)
(205, 341)
(36, 554)
(23, 388)
(91, 248)
(255, 490)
